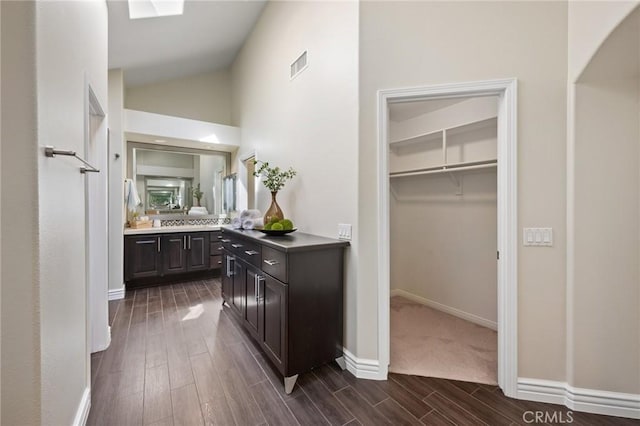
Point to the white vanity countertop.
(170, 229)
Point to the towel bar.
(51, 152)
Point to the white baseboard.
(580, 399)
(82, 413)
(446, 309)
(363, 368)
(116, 294)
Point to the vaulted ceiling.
(207, 37)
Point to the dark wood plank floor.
(178, 358)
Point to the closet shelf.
(438, 134)
(447, 168)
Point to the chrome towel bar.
(51, 152)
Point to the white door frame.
(506, 90)
(96, 228)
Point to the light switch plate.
(539, 237)
(344, 231)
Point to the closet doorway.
(443, 226)
(447, 193)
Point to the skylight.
(154, 8)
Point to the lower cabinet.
(174, 259)
(165, 255)
(198, 251)
(238, 286)
(142, 259)
(185, 252)
(253, 282)
(291, 304)
(273, 318)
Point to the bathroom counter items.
(287, 293)
(170, 229)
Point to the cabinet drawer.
(274, 263)
(215, 248)
(215, 262)
(226, 241)
(247, 251)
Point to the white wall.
(117, 167)
(404, 44)
(443, 245)
(48, 328)
(589, 24)
(308, 123)
(21, 348)
(205, 97)
(605, 294)
(62, 76)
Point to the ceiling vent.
(299, 65)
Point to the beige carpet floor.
(431, 343)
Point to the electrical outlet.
(539, 237)
(344, 231)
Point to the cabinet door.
(239, 295)
(273, 316)
(198, 251)
(142, 257)
(174, 253)
(251, 306)
(228, 268)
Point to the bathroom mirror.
(167, 179)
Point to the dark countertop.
(295, 241)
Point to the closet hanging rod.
(445, 169)
(51, 152)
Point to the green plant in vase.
(274, 179)
(197, 194)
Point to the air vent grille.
(299, 64)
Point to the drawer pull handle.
(251, 252)
(225, 240)
(271, 262)
(236, 245)
(220, 248)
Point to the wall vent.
(299, 65)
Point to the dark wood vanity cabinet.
(287, 293)
(173, 247)
(186, 252)
(143, 253)
(155, 256)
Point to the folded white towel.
(198, 210)
(249, 214)
(253, 223)
(236, 223)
